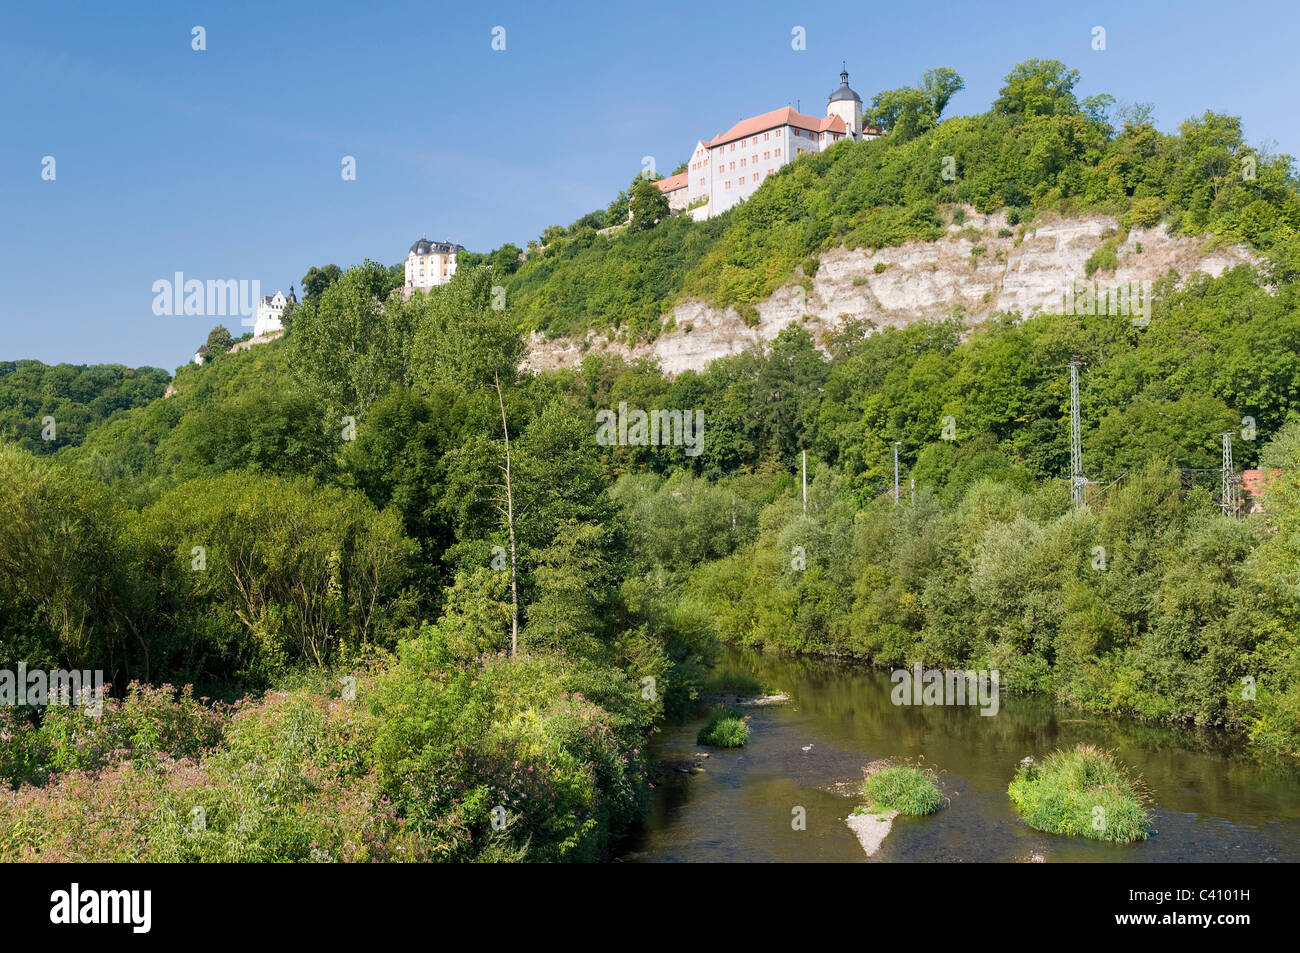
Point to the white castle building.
(269, 312)
(430, 263)
(728, 168)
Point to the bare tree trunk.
(510, 525)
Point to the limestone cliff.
(1019, 269)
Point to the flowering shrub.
(149, 721)
(430, 759)
(506, 758)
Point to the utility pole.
(805, 482)
(509, 514)
(895, 472)
(1078, 483)
(1227, 504)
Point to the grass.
(1082, 792)
(904, 788)
(729, 681)
(726, 729)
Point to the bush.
(1083, 792)
(903, 788)
(417, 765)
(1145, 212)
(1103, 259)
(726, 729)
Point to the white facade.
(740, 159)
(728, 169)
(269, 312)
(430, 263)
(697, 172)
(674, 188)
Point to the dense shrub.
(904, 788)
(1083, 792)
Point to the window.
(767, 155)
(755, 157)
(778, 153)
(742, 180)
(733, 167)
(733, 147)
(727, 184)
(742, 162)
(765, 135)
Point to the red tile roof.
(672, 183)
(1255, 480)
(774, 120)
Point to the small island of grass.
(726, 729)
(1082, 792)
(903, 788)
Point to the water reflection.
(1212, 803)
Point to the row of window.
(749, 141)
(754, 180)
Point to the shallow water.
(1211, 802)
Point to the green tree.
(461, 339)
(1038, 88)
(570, 581)
(317, 280)
(505, 260)
(940, 84)
(353, 343)
(649, 205)
(219, 340)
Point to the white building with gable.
(430, 263)
(270, 310)
(728, 168)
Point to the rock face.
(919, 280)
(260, 339)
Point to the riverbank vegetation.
(426, 614)
(1082, 792)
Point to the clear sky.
(225, 164)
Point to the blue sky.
(226, 163)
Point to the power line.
(1078, 482)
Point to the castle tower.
(846, 104)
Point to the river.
(1212, 803)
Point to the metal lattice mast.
(895, 473)
(1227, 473)
(1077, 481)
